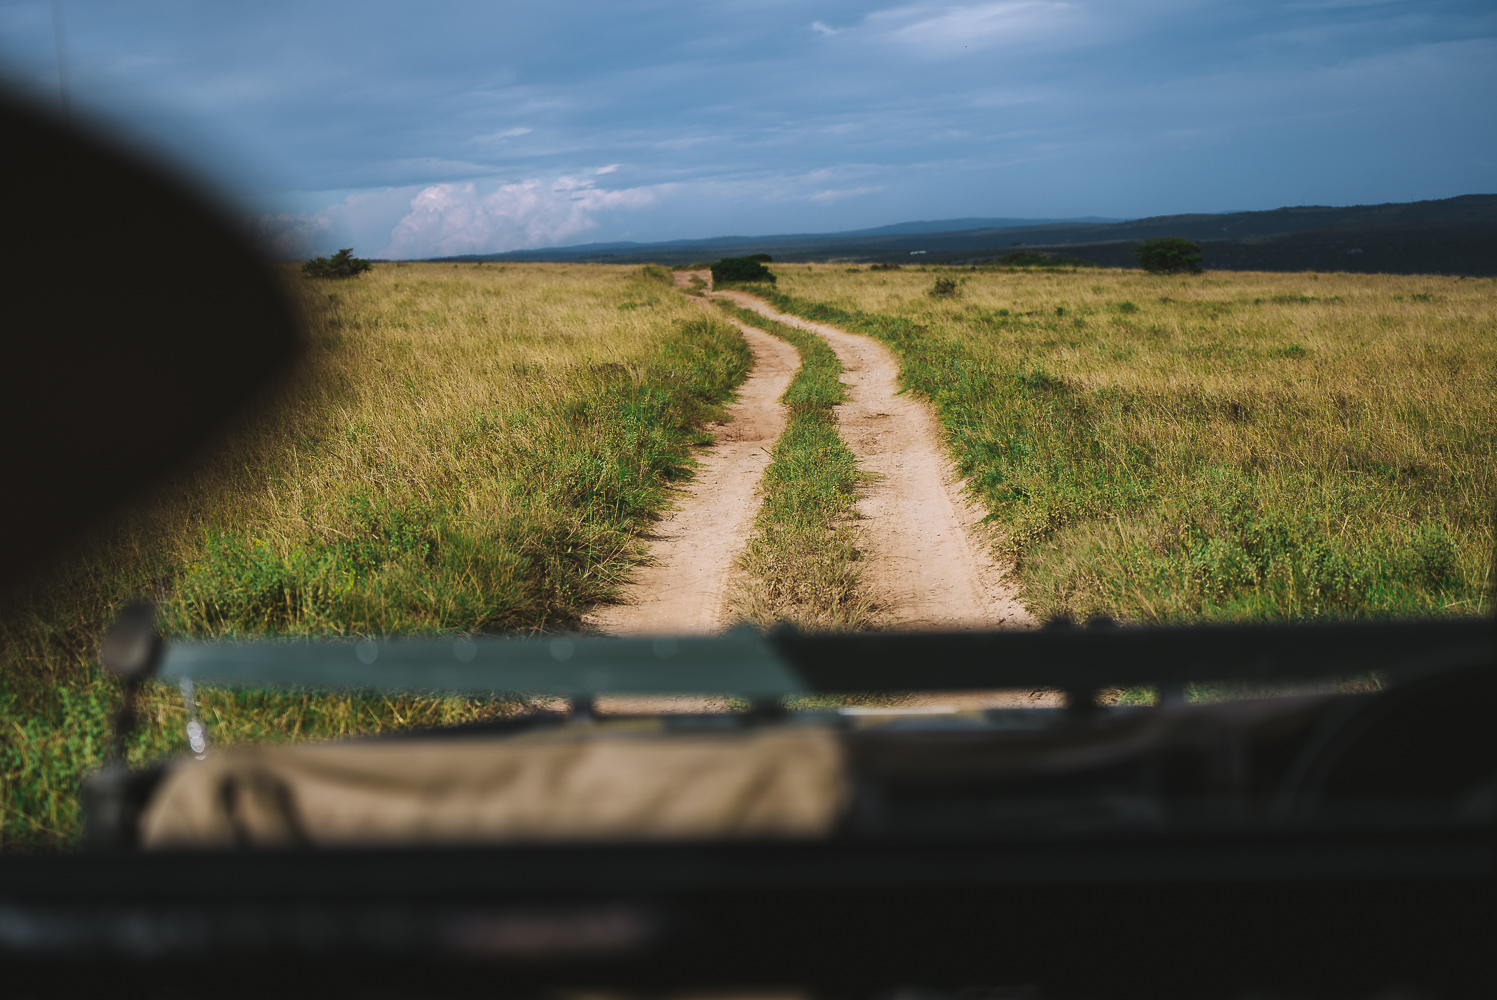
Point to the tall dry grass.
(474, 448)
(1222, 446)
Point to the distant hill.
(957, 225)
(1446, 236)
(720, 246)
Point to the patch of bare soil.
(685, 279)
(682, 587)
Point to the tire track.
(682, 587)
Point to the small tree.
(342, 264)
(1169, 255)
(740, 269)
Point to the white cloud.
(608, 169)
(450, 219)
(825, 30)
(835, 194)
(509, 133)
(941, 28)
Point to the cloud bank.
(451, 219)
(471, 127)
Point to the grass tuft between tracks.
(801, 567)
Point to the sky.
(410, 130)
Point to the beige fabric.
(558, 784)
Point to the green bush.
(342, 264)
(945, 288)
(1169, 255)
(741, 269)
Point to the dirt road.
(683, 587)
(927, 562)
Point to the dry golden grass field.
(1206, 447)
(481, 448)
(475, 448)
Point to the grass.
(478, 448)
(1232, 446)
(801, 564)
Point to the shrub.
(342, 264)
(883, 265)
(1436, 560)
(741, 269)
(1169, 255)
(945, 288)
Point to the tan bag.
(560, 784)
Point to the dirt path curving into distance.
(683, 586)
(928, 563)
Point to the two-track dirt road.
(927, 562)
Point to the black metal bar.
(1082, 659)
(786, 663)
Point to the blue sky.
(411, 130)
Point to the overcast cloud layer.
(413, 130)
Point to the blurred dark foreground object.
(139, 323)
(1325, 844)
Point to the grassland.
(476, 448)
(801, 566)
(1229, 446)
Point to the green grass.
(477, 449)
(1223, 447)
(584, 469)
(801, 564)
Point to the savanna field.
(1225, 446)
(482, 448)
(474, 448)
